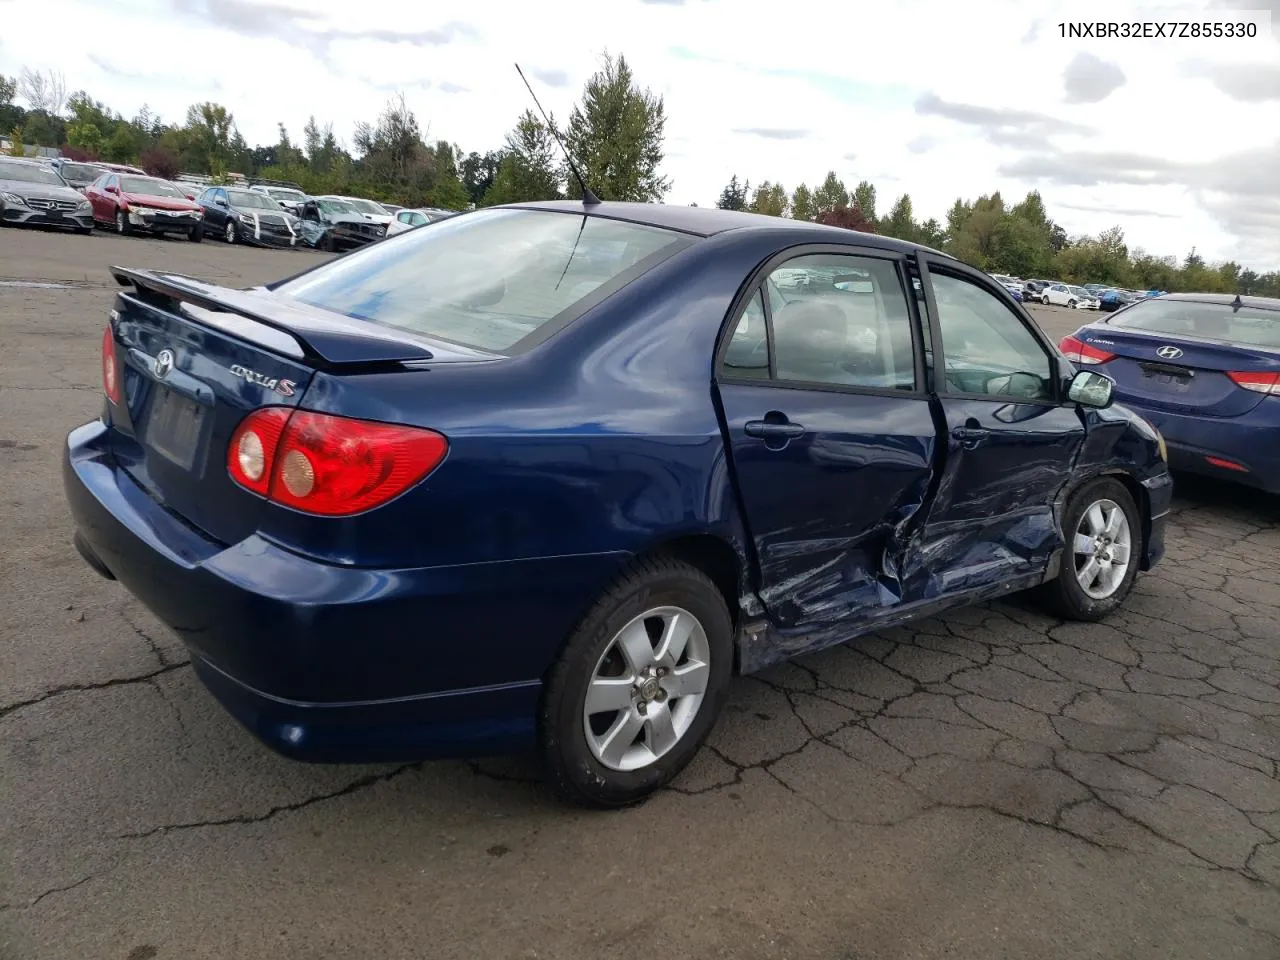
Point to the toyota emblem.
(1168, 353)
(164, 363)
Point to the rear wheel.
(638, 685)
(1104, 547)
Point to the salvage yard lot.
(992, 783)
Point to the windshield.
(368, 206)
(336, 206)
(1248, 326)
(281, 194)
(147, 186)
(29, 173)
(489, 279)
(80, 171)
(244, 198)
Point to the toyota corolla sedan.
(1205, 369)
(549, 475)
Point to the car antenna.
(589, 199)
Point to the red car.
(141, 204)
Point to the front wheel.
(1104, 548)
(196, 233)
(230, 234)
(1045, 299)
(638, 686)
(122, 223)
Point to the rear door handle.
(773, 431)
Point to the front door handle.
(770, 430)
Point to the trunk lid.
(1178, 373)
(194, 359)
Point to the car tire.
(231, 234)
(622, 754)
(1045, 300)
(1067, 594)
(196, 233)
(122, 223)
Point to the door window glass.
(986, 347)
(841, 320)
(748, 351)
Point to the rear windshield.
(487, 279)
(80, 171)
(1248, 326)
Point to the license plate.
(53, 214)
(174, 428)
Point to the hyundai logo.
(164, 363)
(1168, 353)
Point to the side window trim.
(755, 286)
(961, 271)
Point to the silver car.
(32, 194)
(408, 219)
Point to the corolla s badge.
(285, 388)
(163, 364)
(1168, 353)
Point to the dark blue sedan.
(549, 475)
(1205, 369)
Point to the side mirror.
(1091, 389)
(219, 202)
(112, 189)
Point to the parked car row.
(61, 192)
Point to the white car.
(289, 198)
(408, 219)
(1067, 295)
(369, 209)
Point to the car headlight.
(246, 219)
(84, 205)
(1161, 446)
(14, 199)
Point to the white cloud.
(741, 83)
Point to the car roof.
(1260, 303)
(709, 221)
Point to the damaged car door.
(830, 430)
(1012, 439)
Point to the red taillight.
(1257, 382)
(332, 466)
(251, 453)
(1078, 351)
(110, 378)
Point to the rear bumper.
(337, 663)
(1251, 441)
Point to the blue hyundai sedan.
(549, 475)
(1205, 369)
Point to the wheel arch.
(1135, 489)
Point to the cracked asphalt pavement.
(991, 783)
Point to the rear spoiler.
(274, 323)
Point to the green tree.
(529, 169)
(616, 135)
(124, 144)
(900, 222)
(392, 153)
(478, 173)
(17, 148)
(11, 115)
(831, 196)
(803, 206)
(770, 199)
(864, 198)
(85, 136)
(734, 195)
(45, 130)
(932, 234)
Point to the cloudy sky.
(1177, 140)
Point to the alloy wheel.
(647, 688)
(231, 232)
(1102, 549)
